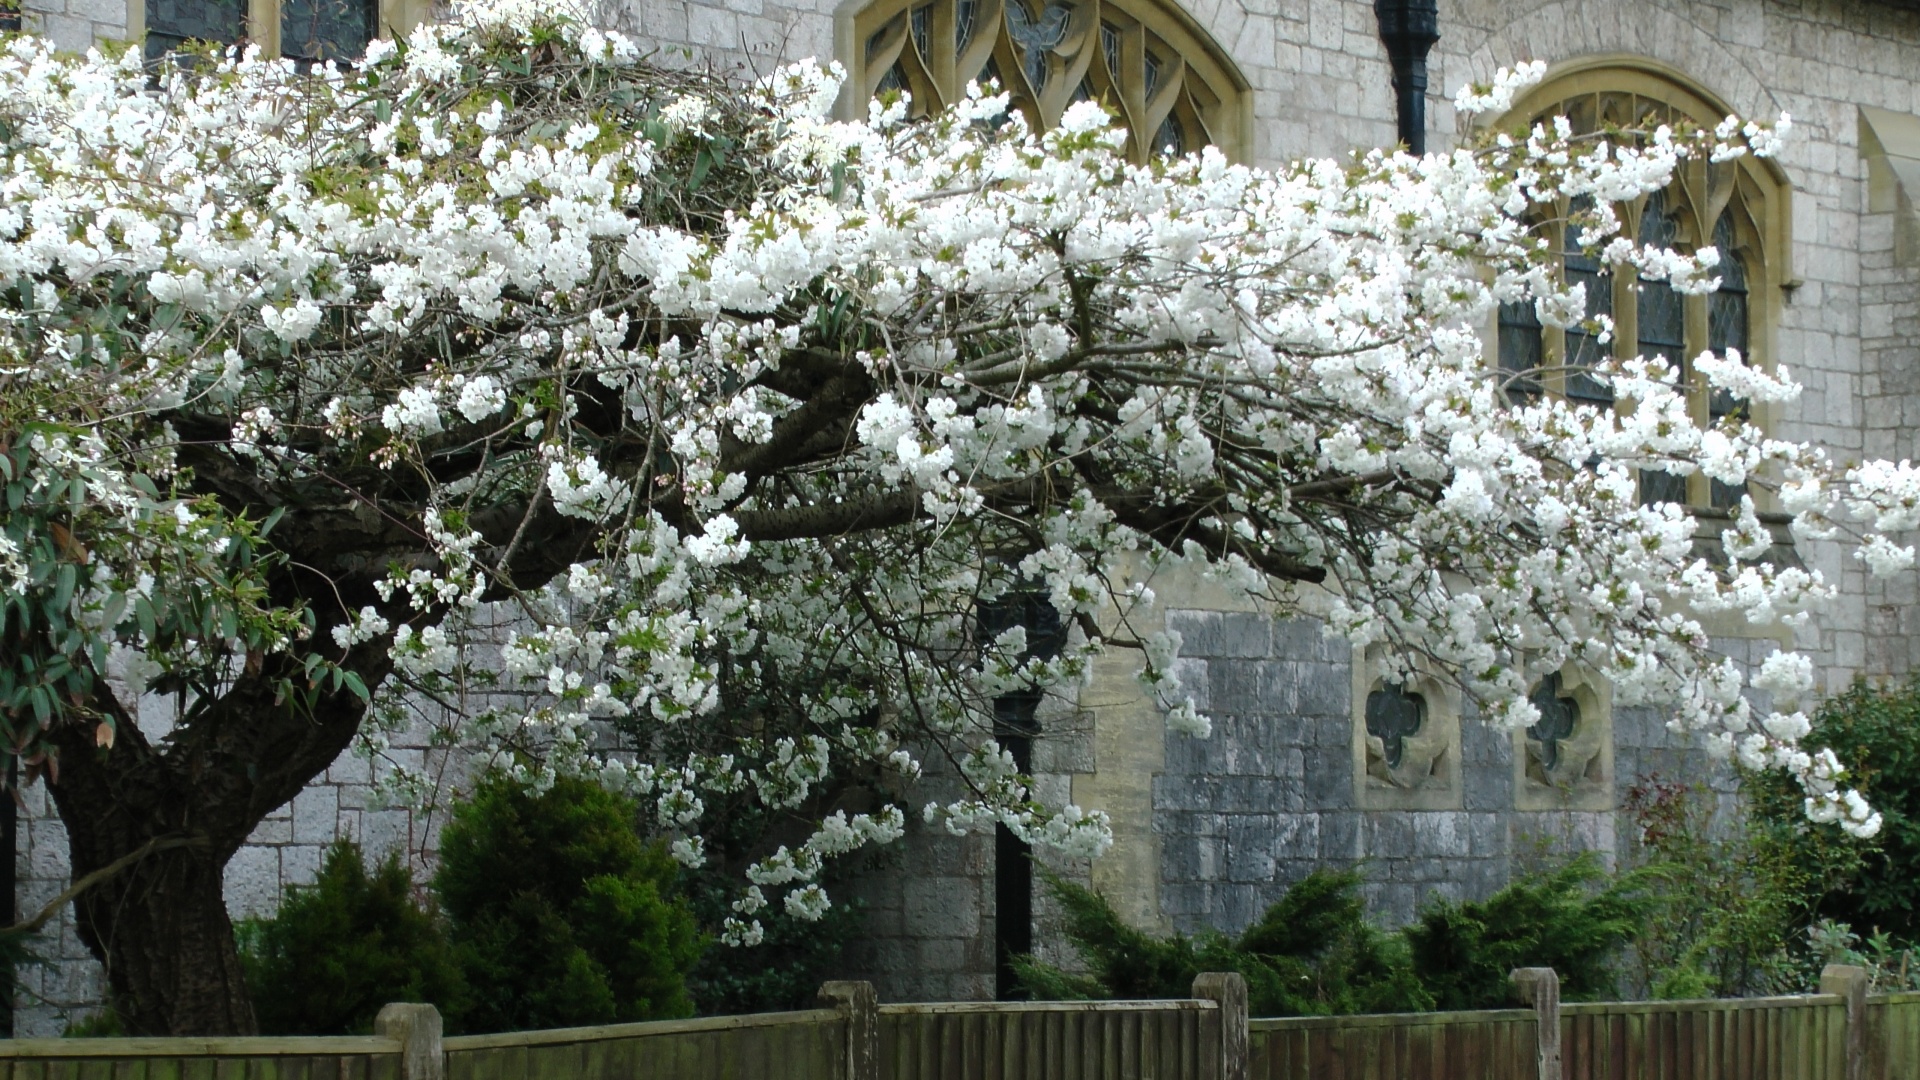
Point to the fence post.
(418, 1029)
(1229, 990)
(1540, 988)
(860, 1005)
(1850, 982)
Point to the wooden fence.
(1413, 1046)
(1841, 1034)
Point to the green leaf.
(702, 162)
(354, 684)
(64, 585)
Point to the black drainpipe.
(1409, 28)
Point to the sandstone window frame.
(262, 22)
(1440, 783)
(1748, 198)
(1584, 778)
(1148, 59)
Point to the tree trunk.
(161, 929)
(159, 924)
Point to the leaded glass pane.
(326, 29)
(1663, 332)
(1036, 37)
(1393, 716)
(1727, 323)
(1170, 140)
(919, 20)
(173, 23)
(1583, 347)
(1521, 352)
(1663, 324)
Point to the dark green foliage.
(1868, 885)
(343, 947)
(1731, 893)
(560, 913)
(1315, 954)
(1563, 918)
(785, 970)
(1312, 954)
(104, 1024)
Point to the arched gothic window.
(1144, 59)
(311, 30)
(1739, 207)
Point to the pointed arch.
(1740, 207)
(1174, 88)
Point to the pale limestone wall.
(75, 24)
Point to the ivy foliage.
(343, 947)
(560, 913)
(1314, 953)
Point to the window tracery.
(1739, 207)
(1406, 738)
(1145, 61)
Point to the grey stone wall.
(1269, 797)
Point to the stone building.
(1313, 760)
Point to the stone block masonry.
(1268, 798)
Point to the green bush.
(1315, 954)
(343, 947)
(560, 913)
(1312, 954)
(786, 969)
(1731, 898)
(1572, 918)
(1867, 885)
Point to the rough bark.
(160, 926)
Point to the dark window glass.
(1559, 716)
(1662, 332)
(1727, 323)
(1583, 347)
(1394, 715)
(173, 23)
(320, 30)
(1520, 350)
(1662, 322)
(1171, 139)
(920, 21)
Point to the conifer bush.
(346, 945)
(1573, 918)
(1311, 954)
(1314, 953)
(560, 913)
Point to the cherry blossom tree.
(740, 415)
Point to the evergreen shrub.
(340, 949)
(560, 913)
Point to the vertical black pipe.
(9, 882)
(1015, 724)
(1409, 28)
